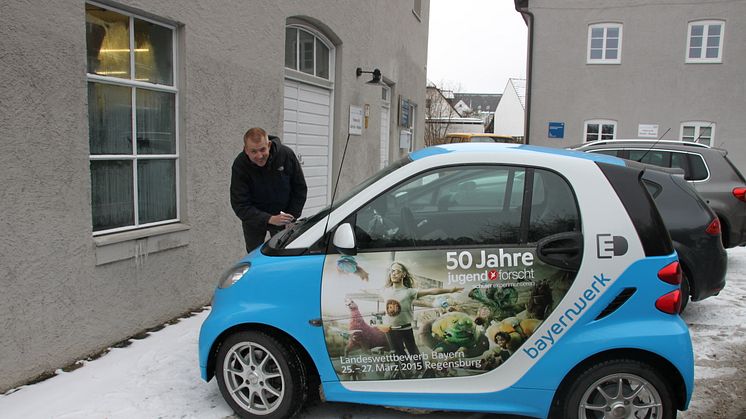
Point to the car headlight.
(231, 276)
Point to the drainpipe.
(521, 6)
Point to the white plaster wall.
(57, 305)
(509, 115)
(653, 84)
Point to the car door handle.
(562, 250)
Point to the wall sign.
(556, 130)
(647, 130)
(356, 120)
(405, 112)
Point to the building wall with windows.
(120, 123)
(639, 70)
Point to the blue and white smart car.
(496, 278)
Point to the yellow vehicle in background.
(473, 137)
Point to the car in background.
(708, 169)
(695, 232)
(499, 278)
(473, 137)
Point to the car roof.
(643, 142)
(513, 148)
(477, 134)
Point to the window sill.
(138, 244)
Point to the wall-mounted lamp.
(376, 75)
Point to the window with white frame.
(702, 132)
(132, 120)
(605, 43)
(306, 52)
(705, 41)
(599, 129)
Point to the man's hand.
(281, 219)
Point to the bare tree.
(439, 113)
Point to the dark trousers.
(401, 339)
(255, 236)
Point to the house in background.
(480, 105)
(511, 111)
(121, 121)
(609, 69)
(442, 118)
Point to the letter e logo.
(608, 246)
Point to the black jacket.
(257, 193)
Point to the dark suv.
(695, 232)
(707, 169)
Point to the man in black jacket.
(268, 189)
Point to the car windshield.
(284, 237)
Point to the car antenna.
(334, 191)
(652, 146)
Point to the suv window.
(697, 168)
(477, 205)
(693, 164)
(655, 157)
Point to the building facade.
(511, 111)
(121, 121)
(613, 69)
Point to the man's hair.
(255, 134)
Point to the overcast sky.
(475, 46)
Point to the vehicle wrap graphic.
(434, 313)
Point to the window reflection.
(153, 53)
(108, 42)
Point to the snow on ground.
(158, 377)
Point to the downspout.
(521, 6)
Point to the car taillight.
(714, 227)
(670, 303)
(671, 273)
(740, 193)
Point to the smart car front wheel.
(260, 377)
(618, 389)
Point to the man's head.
(256, 146)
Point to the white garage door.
(307, 130)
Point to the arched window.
(307, 52)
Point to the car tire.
(260, 377)
(594, 393)
(685, 290)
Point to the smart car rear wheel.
(260, 377)
(619, 389)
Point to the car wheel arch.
(665, 369)
(276, 333)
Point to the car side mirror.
(344, 239)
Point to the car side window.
(655, 157)
(449, 206)
(678, 160)
(553, 206)
(698, 168)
